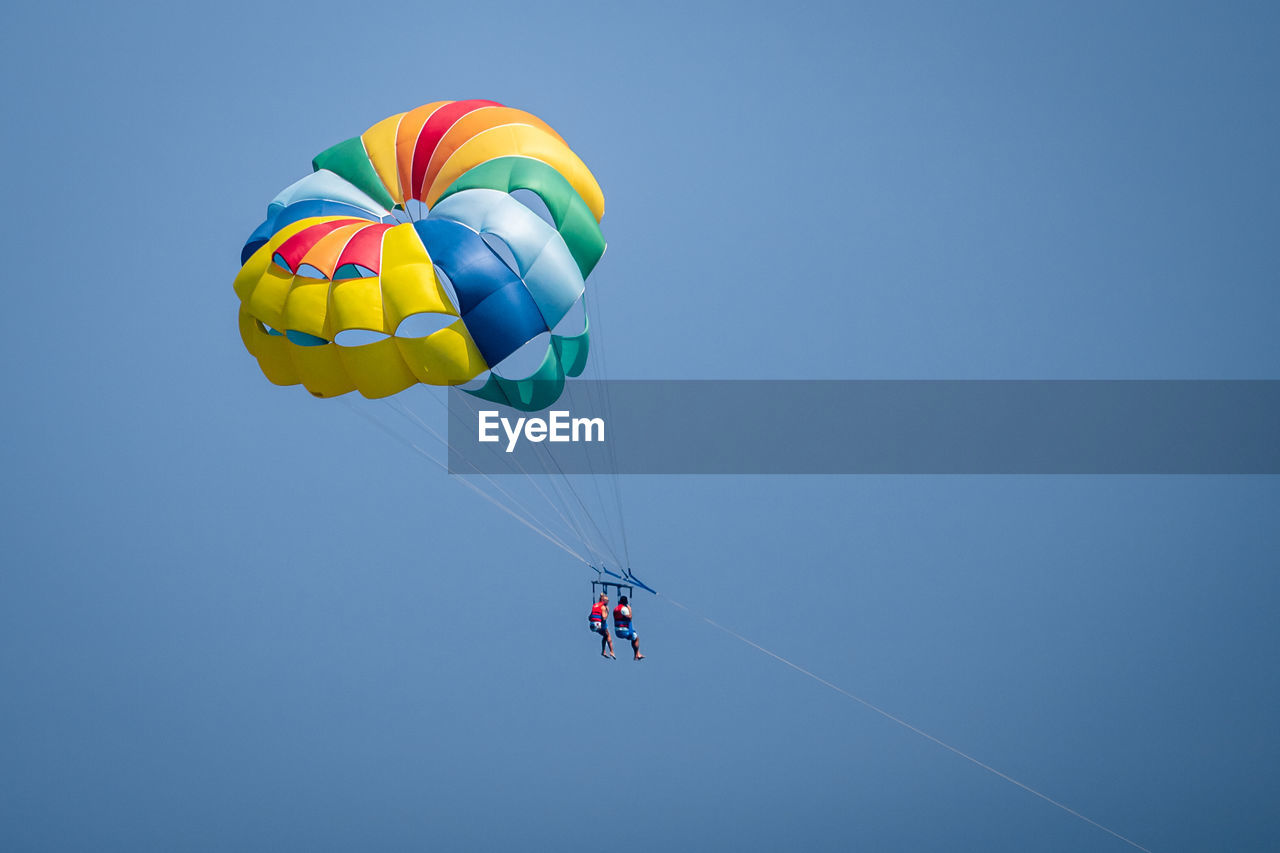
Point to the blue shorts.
(626, 634)
(598, 627)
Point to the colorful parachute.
(389, 221)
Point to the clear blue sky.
(233, 617)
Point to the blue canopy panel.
(495, 304)
(543, 260)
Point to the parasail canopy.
(411, 235)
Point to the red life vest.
(598, 612)
(621, 620)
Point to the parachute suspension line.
(575, 494)
(530, 516)
(599, 547)
(579, 529)
(596, 403)
(605, 547)
(574, 529)
(602, 372)
(542, 454)
(906, 725)
(562, 504)
(404, 412)
(595, 478)
(545, 534)
(528, 519)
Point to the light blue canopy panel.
(321, 193)
(543, 260)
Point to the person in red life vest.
(599, 624)
(622, 626)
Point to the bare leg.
(635, 648)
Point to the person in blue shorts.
(622, 626)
